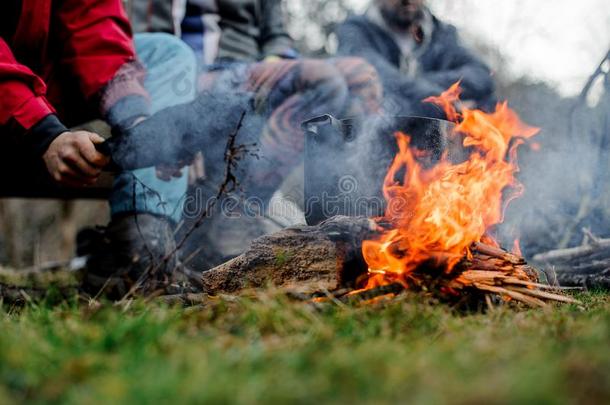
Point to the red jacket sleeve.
(22, 93)
(96, 39)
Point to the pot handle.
(312, 126)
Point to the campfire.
(436, 232)
(437, 229)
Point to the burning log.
(587, 265)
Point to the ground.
(270, 349)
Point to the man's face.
(401, 11)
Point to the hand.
(272, 58)
(166, 172)
(197, 169)
(72, 159)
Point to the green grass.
(271, 350)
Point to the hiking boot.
(134, 253)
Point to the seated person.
(242, 45)
(255, 53)
(416, 56)
(63, 63)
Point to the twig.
(545, 294)
(366, 295)
(231, 155)
(233, 152)
(532, 301)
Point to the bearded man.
(416, 56)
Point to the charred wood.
(584, 266)
(303, 259)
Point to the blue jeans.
(171, 74)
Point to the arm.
(23, 102)
(70, 157)
(458, 63)
(23, 93)
(275, 41)
(98, 50)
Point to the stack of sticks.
(493, 270)
(489, 272)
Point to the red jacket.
(92, 39)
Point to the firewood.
(497, 253)
(587, 265)
(324, 263)
(532, 301)
(302, 259)
(545, 295)
(564, 255)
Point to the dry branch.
(587, 265)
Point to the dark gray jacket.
(252, 30)
(442, 63)
(151, 15)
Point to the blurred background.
(543, 54)
(558, 42)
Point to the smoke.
(566, 185)
(202, 125)
(566, 180)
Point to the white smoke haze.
(542, 53)
(555, 41)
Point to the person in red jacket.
(63, 63)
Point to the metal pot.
(346, 160)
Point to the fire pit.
(445, 186)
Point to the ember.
(440, 217)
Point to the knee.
(161, 49)
(362, 78)
(357, 67)
(321, 74)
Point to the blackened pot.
(346, 160)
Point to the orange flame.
(436, 214)
(517, 247)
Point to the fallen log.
(575, 254)
(302, 259)
(583, 266)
